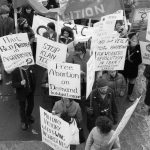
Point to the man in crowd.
(101, 102)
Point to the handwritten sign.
(110, 53)
(54, 131)
(67, 76)
(90, 75)
(48, 50)
(145, 51)
(15, 51)
(124, 120)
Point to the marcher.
(71, 108)
(100, 135)
(80, 56)
(50, 33)
(116, 82)
(66, 35)
(132, 62)
(24, 27)
(23, 79)
(101, 102)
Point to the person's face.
(78, 53)
(66, 101)
(28, 10)
(25, 24)
(66, 34)
(44, 3)
(50, 30)
(134, 41)
(118, 27)
(113, 73)
(103, 90)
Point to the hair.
(120, 22)
(104, 124)
(51, 25)
(80, 47)
(69, 30)
(65, 117)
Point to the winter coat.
(29, 77)
(105, 107)
(98, 141)
(118, 83)
(73, 110)
(131, 67)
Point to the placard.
(54, 131)
(64, 80)
(90, 75)
(124, 120)
(110, 53)
(48, 50)
(145, 52)
(15, 51)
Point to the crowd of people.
(101, 106)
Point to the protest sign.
(77, 9)
(140, 19)
(54, 131)
(108, 22)
(90, 75)
(15, 51)
(81, 33)
(145, 52)
(148, 28)
(124, 120)
(67, 76)
(48, 50)
(110, 53)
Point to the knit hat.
(101, 83)
(4, 9)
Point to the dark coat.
(131, 67)
(23, 91)
(99, 105)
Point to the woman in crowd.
(133, 59)
(28, 13)
(68, 109)
(100, 135)
(66, 35)
(50, 33)
(80, 56)
(116, 81)
(24, 27)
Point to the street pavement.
(135, 136)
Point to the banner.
(90, 75)
(140, 19)
(81, 33)
(145, 52)
(95, 9)
(54, 131)
(124, 120)
(15, 51)
(48, 50)
(67, 76)
(110, 53)
(19, 3)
